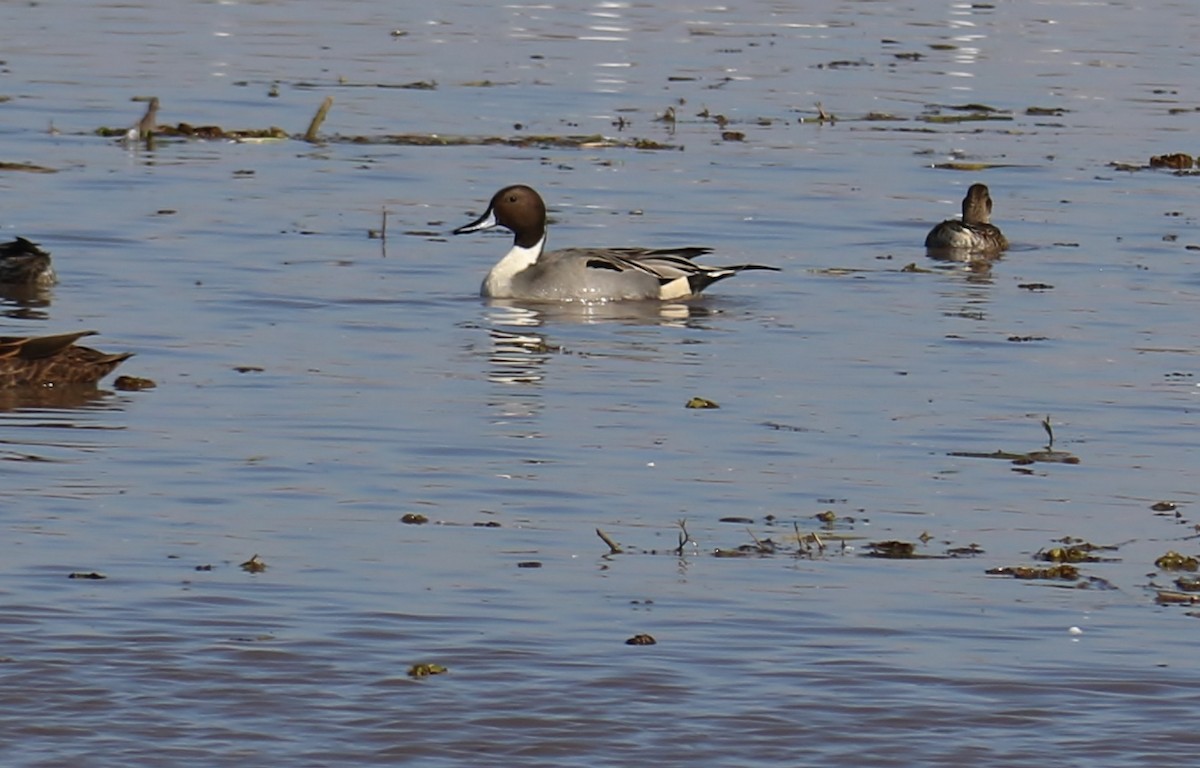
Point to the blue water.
(381, 385)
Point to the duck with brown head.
(528, 271)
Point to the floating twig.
(684, 538)
(147, 124)
(613, 547)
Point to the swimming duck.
(24, 263)
(531, 272)
(47, 361)
(974, 233)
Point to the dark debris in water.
(1053, 457)
(1178, 161)
(210, 132)
(426, 669)
(133, 383)
(1072, 550)
(1059, 572)
(641, 639)
(543, 141)
(26, 168)
(254, 565)
(88, 575)
(1174, 561)
(892, 550)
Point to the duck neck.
(517, 260)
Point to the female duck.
(974, 233)
(24, 263)
(51, 361)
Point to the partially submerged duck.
(974, 233)
(23, 263)
(47, 361)
(528, 271)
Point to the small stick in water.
(613, 547)
(684, 537)
(311, 134)
(147, 124)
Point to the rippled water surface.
(315, 385)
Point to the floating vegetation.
(700, 402)
(529, 564)
(641, 639)
(1072, 550)
(1060, 572)
(1167, 597)
(967, 118)
(26, 168)
(545, 141)
(90, 575)
(1173, 561)
(845, 64)
(148, 129)
(892, 550)
(785, 427)
(414, 518)
(133, 383)
(189, 131)
(1188, 583)
(1163, 506)
(1179, 161)
(426, 669)
(957, 165)
(1045, 455)
(254, 565)
(971, 550)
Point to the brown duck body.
(47, 361)
(23, 263)
(975, 234)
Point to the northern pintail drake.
(531, 272)
(24, 263)
(974, 233)
(47, 361)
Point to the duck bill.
(486, 221)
